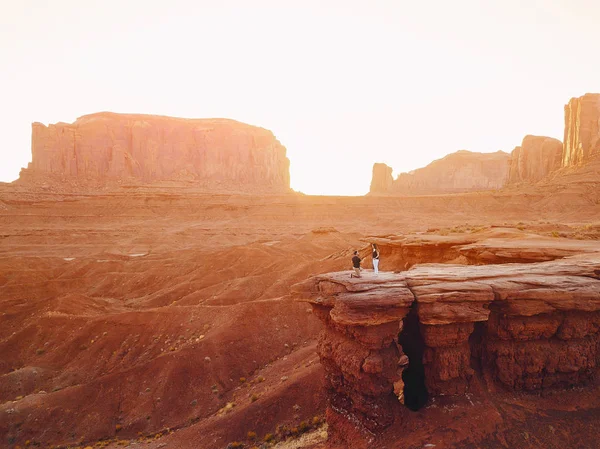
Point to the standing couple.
(356, 262)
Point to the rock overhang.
(571, 283)
(522, 326)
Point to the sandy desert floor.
(162, 316)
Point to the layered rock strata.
(496, 245)
(511, 326)
(358, 348)
(582, 130)
(535, 159)
(462, 171)
(217, 153)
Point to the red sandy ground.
(126, 314)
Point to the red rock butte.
(219, 154)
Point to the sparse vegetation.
(283, 432)
(228, 408)
(303, 427)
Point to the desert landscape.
(162, 286)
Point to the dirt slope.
(126, 313)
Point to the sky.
(342, 84)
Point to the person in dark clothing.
(356, 265)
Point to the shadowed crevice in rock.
(476, 343)
(413, 345)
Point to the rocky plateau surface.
(395, 341)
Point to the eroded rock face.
(381, 181)
(359, 350)
(462, 171)
(536, 158)
(582, 130)
(513, 326)
(543, 351)
(218, 153)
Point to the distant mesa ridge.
(534, 160)
(106, 147)
(462, 171)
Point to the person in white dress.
(375, 258)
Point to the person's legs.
(376, 266)
(357, 272)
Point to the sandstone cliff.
(439, 330)
(382, 179)
(462, 171)
(537, 157)
(215, 153)
(582, 130)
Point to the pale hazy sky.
(342, 84)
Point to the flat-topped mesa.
(536, 158)
(582, 130)
(463, 328)
(217, 153)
